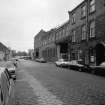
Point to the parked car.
(12, 72)
(6, 88)
(11, 67)
(98, 70)
(42, 60)
(86, 68)
(61, 63)
(37, 60)
(75, 65)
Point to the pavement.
(45, 84)
(24, 94)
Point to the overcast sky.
(21, 20)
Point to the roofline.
(62, 25)
(77, 7)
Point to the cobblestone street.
(24, 94)
(45, 84)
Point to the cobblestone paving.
(71, 87)
(45, 97)
(24, 94)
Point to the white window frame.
(79, 55)
(83, 32)
(92, 6)
(73, 18)
(83, 11)
(74, 36)
(92, 29)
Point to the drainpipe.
(87, 27)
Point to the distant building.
(44, 45)
(38, 44)
(48, 46)
(4, 52)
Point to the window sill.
(92, 12)
(83, 40)
(73, 23)
(83, 17)
(92, 38)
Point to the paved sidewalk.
(23, 92)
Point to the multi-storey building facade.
(87, 22)
(49, 47)
(44, 45)
(62, 40)
(38, 44)
(81, 37)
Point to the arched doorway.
(100, 53)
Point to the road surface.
(46, 84)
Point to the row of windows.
(84, 32)
(83, 10)
(51, 52)
(78, 55)
(63, 32)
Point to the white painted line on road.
(45, 97)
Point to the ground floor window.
(79, 55)
(73, 56)
(92, 55)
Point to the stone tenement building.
(81, 38)
(44, 45)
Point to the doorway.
(100, 53)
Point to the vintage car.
(62, 63)
(6, 88)
(12, 71)
(11, 67)
(74, 64)
(99, 70)
(41, 60)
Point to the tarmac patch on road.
(45, 97)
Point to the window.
(83, 11)
(64, 32)
(73, 36)
(92, 6)
(79, 52)
(73, 55)
(92, 29)
(67, 30)
(83, 32)
(91, 55)
(73, 18)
